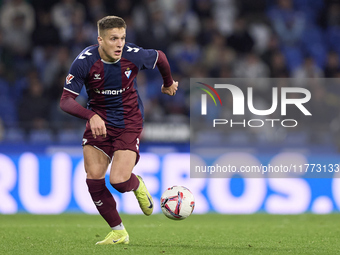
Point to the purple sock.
(104, 201)
(129, 185)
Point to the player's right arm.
(70, 105)
(73, 85)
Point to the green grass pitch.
(199, 234)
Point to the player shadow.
(163, 246)
(220, 249)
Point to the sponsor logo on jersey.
(112, 92)
(69, 78)
(128, 72)
(97, 76)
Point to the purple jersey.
(111, 86)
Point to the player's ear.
(100, 40)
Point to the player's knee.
(119, 179)
(94, 176)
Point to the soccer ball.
(177, 203)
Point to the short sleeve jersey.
(111, 86)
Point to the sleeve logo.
(129, 49)
(86, 53)
(69, 78)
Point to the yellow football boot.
(144, 198)
(116, 237)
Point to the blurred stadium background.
(41, 168)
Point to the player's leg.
(96, 164)
(123, 163)
(123, 180)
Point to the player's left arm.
(169, 86)
(148, 59)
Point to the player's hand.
(171, 91)
(97, 126)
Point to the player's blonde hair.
(109, 22)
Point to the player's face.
(111, 43)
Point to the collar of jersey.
(110, 63)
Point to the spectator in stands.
(58, 64)
(273, 46)
(95, 10)
(45, 33)
(122, 8)
(288, 23)
(156, 33)
(17, 20)
(6, 60)
(13, 10)
(34, 107)
(183, 20)
(225, 12)
(213, 50)
(333, 15)
(84, 33)
(278, 67)
(251, 66)
(332, 65)
(62, 16)
(308, 70)
(186, 54)
(241, 40)
(45, 39)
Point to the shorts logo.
(137, 144)
(69, 78)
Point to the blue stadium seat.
(8, 111)
(239, 138)
(40, 136)
(294, 57)
(311, 8)
(297, 138)
(314, 44)
(14, 135)
(4, 88)
(319, 54)
(69, 136)
(333, 38)
(18, 89)
(208, 138)
(313, 35)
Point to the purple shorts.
(116, 139)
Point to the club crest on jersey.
(69, 78)
(128, 72)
